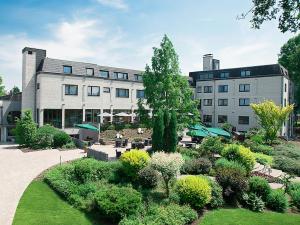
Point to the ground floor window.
(52, 117)
(91, 115)
(72, 117)
(222, 118)
(244, 120)
(12, 117)
(207, 118)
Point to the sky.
(122, 33)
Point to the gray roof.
(55, 66)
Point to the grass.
(40, 205)
(247, 217)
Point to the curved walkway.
(18, 169)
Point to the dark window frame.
(123, 89)
(208, 100)
(116, 75)
(106, 88)
(223, 88)
(90, 90)
(86, 71)
(207, 89)
(242, 88)
(67, 89)
(205, 117)
(139, 91)
(242, 122)
(224, 75)
(223, 102)
(221, 119)
(242, 102)
(105, 71)
(138, 77)
(245, 73)
(70, 67)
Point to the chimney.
(209, 63)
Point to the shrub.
(190, 152)
(259, 186)
(295, 198)
(286, 164)
(233, 182)
(277, 200)
(227, 126)
(116, 202)
(263, 159)
(259, 148)
(194, 190)
(224, 163)
(240, 154)
(295, 186)
(216, 195)
(133, 161)
(196, 166)
(254, 202)
(25, 130)
(211, 145)
(44, 137)
(172, 214)
(148, 177)
(168, 165)
(70, 145)
(60, 139)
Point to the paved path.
(18, 169)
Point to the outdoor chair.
(118, 154)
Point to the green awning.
(219, 132)
(87, 126)
(197, 127)
(200, 133)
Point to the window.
(284, 102)
(222, 102)
(224, 75)
(244, 120)
(244, 101)
(207, 89)
(38, 86)
(93, 91)
(71, 89)
(29, 52)
(12, 117)
(106, 90)
(222, 119)
(89, 71)
(68, 69)
(140, 94)
(244, 87)
(207, 76)
(53, 117)
(72, 117)
(207, 102)
(245, 73)
(199, 89)
(138, 77)
(122, 93)
(121, 76)
(91, 115)
(207, 118)
(104, 74)
(285, 87)
(223, 88)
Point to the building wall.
(261, 88)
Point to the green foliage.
(133, 161)
(259, 186)
(254, 202)
(148, 177)
(15, 90)
(295, 198)
(217, 200)
(60, 139)
(194, 190)
(69, 145)
(240, 154)
(158, 132)
(25, 129)
(170, 132)
(257, 138)
(286, 11)
(271, 117)
(227, 126)
(224, 163)
(259, 148)
(277, 201)
(116, 202)
(286, 164)
(294, 186)
(44, 137)
(211, 145)
(2, 87)
(263, 159)
(165, 87)
(189, 152)
(196, 166)
(171, 214)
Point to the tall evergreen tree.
(173, 132)
(166, 140)
(158, 132)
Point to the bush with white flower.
(168, 165)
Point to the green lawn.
(40, 205)
(246, 217)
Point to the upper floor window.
(12, 117)
(122, 93)
(206, 76)
(89, 71)
(244, 101)
(71, 89)
(222, 102)
(207, 102)
(93, 91)
(122, 76)
(67, 69)
(244, 120)
(223, 88)
(104, 74)
(140, 94)
(244, 87)
(138, 77)
(106, 90)
(207, 89)
(224, 75)
(245, 73)
(199, 89)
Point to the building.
(226, 94)
(64, 93)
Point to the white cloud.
(118, 4)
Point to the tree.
(26, 130)
(286, 11)
(158, 132)
(271, 118)
(289, 57)
(15, 90)
(166, 88)
(173, 132)
(2, 87)
(166, 139)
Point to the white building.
(226, 94)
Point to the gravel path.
(18, 169)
